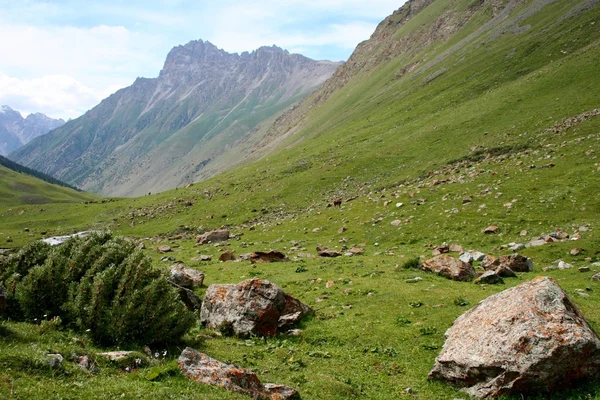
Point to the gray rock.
(477, 255)
(584, 269)
(55, 361)
(538, 341)
(466, 258)
(450, 268)
(254, 306)
(490, 278)
(517, 246)
(203, 369)
(115, 355)
(185, 277)
(596, 277)
(217, 235)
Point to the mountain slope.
(16, 131)
(20, 185)
(165, 132)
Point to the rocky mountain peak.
(15, 131)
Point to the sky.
(62, 57)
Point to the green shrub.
(414, 262)
(99, 284)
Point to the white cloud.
(58, 96)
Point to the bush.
(101, 284)
(414, 262)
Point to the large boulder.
(530, 338)
(450, 268)
(185, 277)
(2, 298)
(515, 262)
(254, 306)
(217, 235)
(203, 369)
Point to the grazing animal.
(337, 202)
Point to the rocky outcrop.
(214, 236)
(525, 339)
(185, 277)
(450, 267)
(254, 306)
(206, 370)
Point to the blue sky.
(62, 57)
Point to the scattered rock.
(442, 249)
(450, 268)
(523, 233)
(217, 235)
(185, 277)
(414, 280)
(203, 369)
(227, 255)
(9, 239)
(564, 265)
(456, 248)
(266, 256)
(163, 249)
(515, 262)
(342, 230)
(329, 284)
(317, 230)
(355, 251)
(396, 222)
(490, 278)
(504, 357)
(55, 361)
(116, 355)
(477, 255)
(86, 364)
(575, 252)
(596, 277)
(505, 272)
(584, 269)
(466, 258)
(398, 205)
(253, 306)
(202, 257)
(325, 252)
(294, 332)
(491, 229)
(516, 246)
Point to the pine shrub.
(99, 284)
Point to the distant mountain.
(199, 117)
(16, 131)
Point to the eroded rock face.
(185, 277)
(203, 369)
(254, 306)
(217, 235)
(450, 268)
(530, 338)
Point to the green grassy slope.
(17, 189)
(507, 119)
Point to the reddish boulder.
(203, 369)
(254, 306)
(227, 255)
(529, 338)
(217, 235)
(450, 268)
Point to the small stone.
(491, 230)
(316, 230)
(466, 258)
(477, 255)
(456, 248)
(490, 278)
(414, 280)
(342, 230)
(396, 222)
(575, 252)
(564, 265)
(398, 205)
(596, 277)
(517, 246)
(329, 284)
(523, 233)
(584, 269)
(55, 361)
(163, 249)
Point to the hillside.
(193, 121)
(16, 131)
(21, 186)
(455, 116)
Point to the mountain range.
(16, 131)
(197, 118)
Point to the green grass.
(384, 141)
